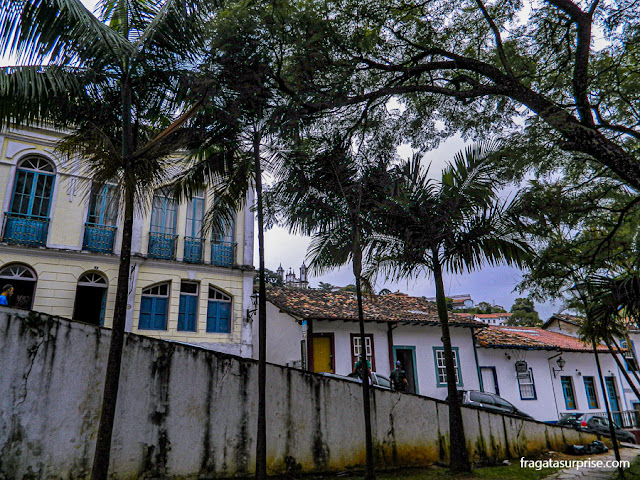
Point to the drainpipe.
(553, 388)
(475, 355)
(390, 328)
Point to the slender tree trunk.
(624, 371)
(612, 431)
(107, 416)
(458, 454)
(634, 372)
(370, 473)
(261, 441)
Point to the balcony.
(99, 238)
(162, 245)
(222, 254)
(25, 229)
(193, 249)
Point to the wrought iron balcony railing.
(222, 253)
(99, 238)
(193, 249)
(162, 245)
(25, 229)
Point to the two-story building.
(61, 237)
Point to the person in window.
(358, 369)
(398, 378)
(7, 291)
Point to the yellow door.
(322, 358)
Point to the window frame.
(218, 302)
(595, 392)
(145, 294)
(456, 358)
(532, 383)
(36, 174)
(568, 381)
(355, 357)
(186, 297)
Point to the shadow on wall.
(186, 411)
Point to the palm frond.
(57, 31)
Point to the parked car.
(490, 402)
(595, 424)
(379, 380)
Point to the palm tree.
(120, 85)
(333, 193)
(454, 225)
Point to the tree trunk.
(458, 454)
(261, 440)
(612, 431)
(110, 394)
(624, 371)
(370, 473)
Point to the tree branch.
(498, 38)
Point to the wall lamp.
(560, 362)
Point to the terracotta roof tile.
(532, 338)
(493, 315)
(318, 304)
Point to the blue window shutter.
(146, 307)
(212, 316)
(160, 313)
(182, 313)
(224, 317)
(188, 313)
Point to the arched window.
(154, 307)
(23, 279)
(91, 298)
(27, 221)
(218, 311)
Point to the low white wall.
(191, 413)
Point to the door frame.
(495, 379)
(332, 342)
(415, 364)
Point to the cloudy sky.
(493, 285)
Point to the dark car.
(490, 402)
(595, 424)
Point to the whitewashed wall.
(550, 404)
(190, 413)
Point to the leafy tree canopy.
(524, 314)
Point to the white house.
(546, 373)
(493, 318)
(318, 331)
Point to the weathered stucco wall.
(191, 413)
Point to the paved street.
(629, 454)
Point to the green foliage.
(270, 277)
(327, 287)
(524, 314)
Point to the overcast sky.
(493, 285)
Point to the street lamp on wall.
(561, 363)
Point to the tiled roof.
(493, 315)
(572, 319)
(531, 338)
(322, 305)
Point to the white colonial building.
(318, 331)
